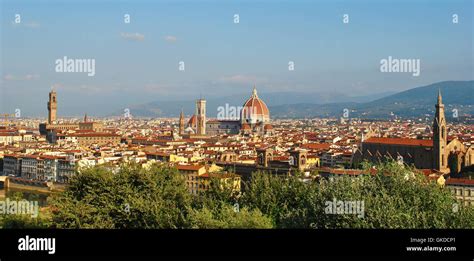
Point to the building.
(440, 137)
(39, 167)
(96, 138)
(197, 123)
(181, 123)
(88, 125)
(199, 178)
(201, 117)
(220, 127)
(296, 162)
(192, 173)
(462, 189)
(224, 180)
(52, 127)
(254, 119)
(440, 153)
(255, 112)
(52, 107)
(11, 165)
(11, 137)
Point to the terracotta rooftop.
(457, 181)
(316, 146)
(401, 141)
(189, 167)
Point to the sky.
(138, 62)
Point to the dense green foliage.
(43, 220)
(396, 197)
(157, 197)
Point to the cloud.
(133, 36)
(28, 77)
(241, 79)
(171, 38)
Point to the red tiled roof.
(95, 134)
(157, 153)
(458, 181)
(189, 167)
(401, 141)
(315, 146)
(255, 106)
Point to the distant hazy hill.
(173, 108)
(415, 102)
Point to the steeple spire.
(440, 138)
(181, 122)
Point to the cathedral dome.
(255, 110)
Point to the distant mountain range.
(173, 108)
(416, 102)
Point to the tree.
(227, 216)
(286, 199)
(392, 196)
(395, 197)
(24, 221)
(134, 197)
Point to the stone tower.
(52, 107)
(298, 159)
(201, 117)
(181, 123)
(440, 137)
(264, 156)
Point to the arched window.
(443, 132)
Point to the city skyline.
(245, 120)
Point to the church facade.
(439, 153)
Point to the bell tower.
(52, 107)
(201, 116)
(181, 123)
(440, 137)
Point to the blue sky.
(223, 58)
